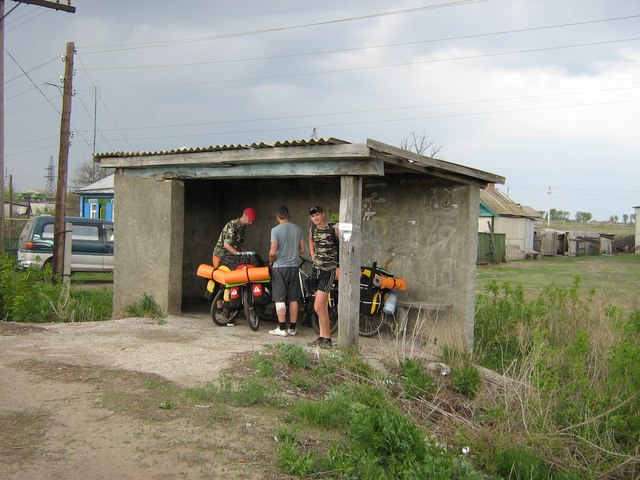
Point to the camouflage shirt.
(326, 247)
(233, 234)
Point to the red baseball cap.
(250, 213)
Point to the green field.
(615, 278)
(596, 227)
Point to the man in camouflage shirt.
(232, 236)
(230, 242)
(324, 249)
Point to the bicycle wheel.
(226, 316)
(370, 324)
(249, 312)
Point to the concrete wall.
(149, 242)
(426, 231)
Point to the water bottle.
(390, 303)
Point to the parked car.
(91, 243)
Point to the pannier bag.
(261, 293)
(370, 296)
(232, 298)
(234, 261)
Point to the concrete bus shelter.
(415, 216)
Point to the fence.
(12, 229)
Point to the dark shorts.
(322, 280)
(285, 284)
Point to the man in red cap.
(231, 239)
(232, 236)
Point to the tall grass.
(572, 379)
(31, 295)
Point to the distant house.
(501, 215)
(96, 200)
(573, 243)
(17, 208)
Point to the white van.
(91, 247)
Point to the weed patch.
(145, 307)
(31, 295)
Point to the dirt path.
(74, 400)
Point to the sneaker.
(291, 333)
(326, 343)
(321, 342)
(279, 333)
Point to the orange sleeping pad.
(243, 275)
(389, 283)
(381, 281)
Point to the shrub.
(466, 380)
(415, 380)
(30, 295)
(145, 307)
(293, 355)
(292, 462)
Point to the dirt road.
(71, 400)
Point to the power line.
(388, 65)
(374, 122)
(378, 110)
(162, 43)
(354, 49)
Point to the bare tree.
(420, 144)
(87, 173)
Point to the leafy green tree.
(583, 216)
(625, 217)
(559, 214)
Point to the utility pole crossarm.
(55, 5)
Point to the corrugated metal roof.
(104, 185)
(219, 148)
(502, 205)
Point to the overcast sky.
(543, 92)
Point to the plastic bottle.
(390, 303)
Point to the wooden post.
(350, 245)
(63, 161)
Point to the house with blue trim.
(96, 200)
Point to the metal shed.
(415, 216)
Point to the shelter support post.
(350, 245)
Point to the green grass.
(597, 227)
(80, 277)
(615, 277)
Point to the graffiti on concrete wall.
(413, 230)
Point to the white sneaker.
(292, 333)
(279, 333)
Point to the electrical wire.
(378, 110)
(163, 43)
(382, 66)
(355, 49)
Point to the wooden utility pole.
(2, 124)
(41, 3)
(63, 162)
